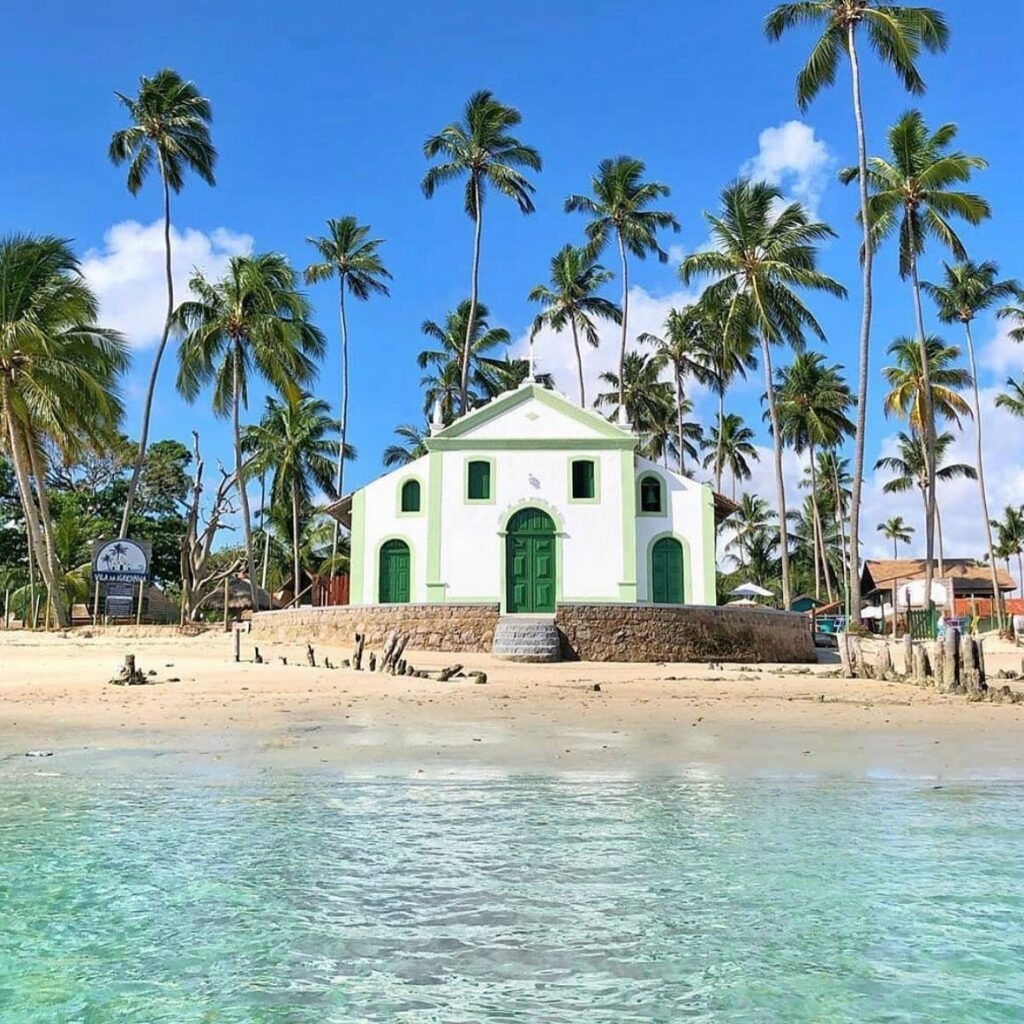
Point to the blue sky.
(321, 110)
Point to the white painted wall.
(531, 420)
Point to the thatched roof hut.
(239, 597)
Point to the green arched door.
(667, 571)
(394, 585)
(530, 562)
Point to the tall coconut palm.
(762, 256)
(909, 468)
(751, 518)
(571, 300)
(1012, 400)
(59, 375)
(411, 445)
(171, 127)
(480, 148)
(296, 442)
(349, 254)
(912, 193)
(1010, 531)
(968, 289)
(896, 33)
(679, 345)
(671, 435)
(1015, 311)
(496, 376)
(645, 397)
(253, 322)
(896, 529)
(455, 368)
(619, 207)
(910, 397)
(730, 445)
(812, 400)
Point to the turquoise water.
(279, 899)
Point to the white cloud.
(791, 157)
(1002, 355)
(127, 273)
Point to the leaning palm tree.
(761, 256)
(252, 322)
(171, 126)
(679, 345)
(910, 396)
(968, 289)
(641, 392)
(412, 445)
(619, 207)
(480, 148)
(896, 34)
(896, 529)
(571, 300)
(909, 468)
(912, 193)
(349, 254)
(812, 400)
(455, 369)
(296, 442)
(59, 375)
(1012, 400)
(730, 445)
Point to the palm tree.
(911, 193)
(762, 254)
(752, 517)
(910, 469)
(645, 397)
(1015, 311)
(171, 125)
(480, 148)
(619, 207)
(1010, 531)
(670, 435)
(572, 300)
(496, 376)
(896, 34)
(296, 442)
(680, 348)
(413, 445)
(1013, 398)
(254, 321)
(909, 395)
(349, 254)
(456, 368)
(896, 529)
(812, 400)
(729, 446)
(58, 380)
(968, 289)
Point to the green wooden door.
(530, 562)
(667, 572)
(394, 584)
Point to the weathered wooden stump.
(951, 661)
(883, 666)
(357, 652)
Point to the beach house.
(529, 502)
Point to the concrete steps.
(525, 638)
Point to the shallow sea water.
(276, 898)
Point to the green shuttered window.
(583, 479)
(478, 483)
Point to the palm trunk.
(266, 532)
(296, 562)
(236, 401)
(579, 363)
(780, 486)
(843, 550)
(46, 525)
(1020, 570)
(31, 582)
(939, 543)
(981, 475)
(467, 353)
(718, 447)
(344, 415)
(853, 581)
(928, 426)
(820, 528)
(147, 409)
(679, 420)
(625, 317)
(816, 560)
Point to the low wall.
(465, 628)
(590, 632)
(619, 632)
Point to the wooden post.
(357, 652)
(951, 666)
(938, 656)
(7, 609)
(96, 604)
(908, 655)
(844, 654)
(883, 667)
(138, 607)
(225, 604)
(982, 676)
(970, 662)
(236, 644)
(920, 666)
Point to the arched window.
(478, 480)
(411, 496)
(652, 498)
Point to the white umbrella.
(750, 590)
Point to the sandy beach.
(205, 710)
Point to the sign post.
(121, 564)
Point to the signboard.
(120, 561)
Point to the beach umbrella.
(750, 590)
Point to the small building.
(962, 579)
(527, 503)
(806, 603)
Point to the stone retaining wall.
(620, 632)
(465, 628)
(590, 632)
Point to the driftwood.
(477, 676)
(129, 675)
(327, 662)
(390, 641)
(357, 652)
(396, 654)
(373, 662)
(446, 673)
